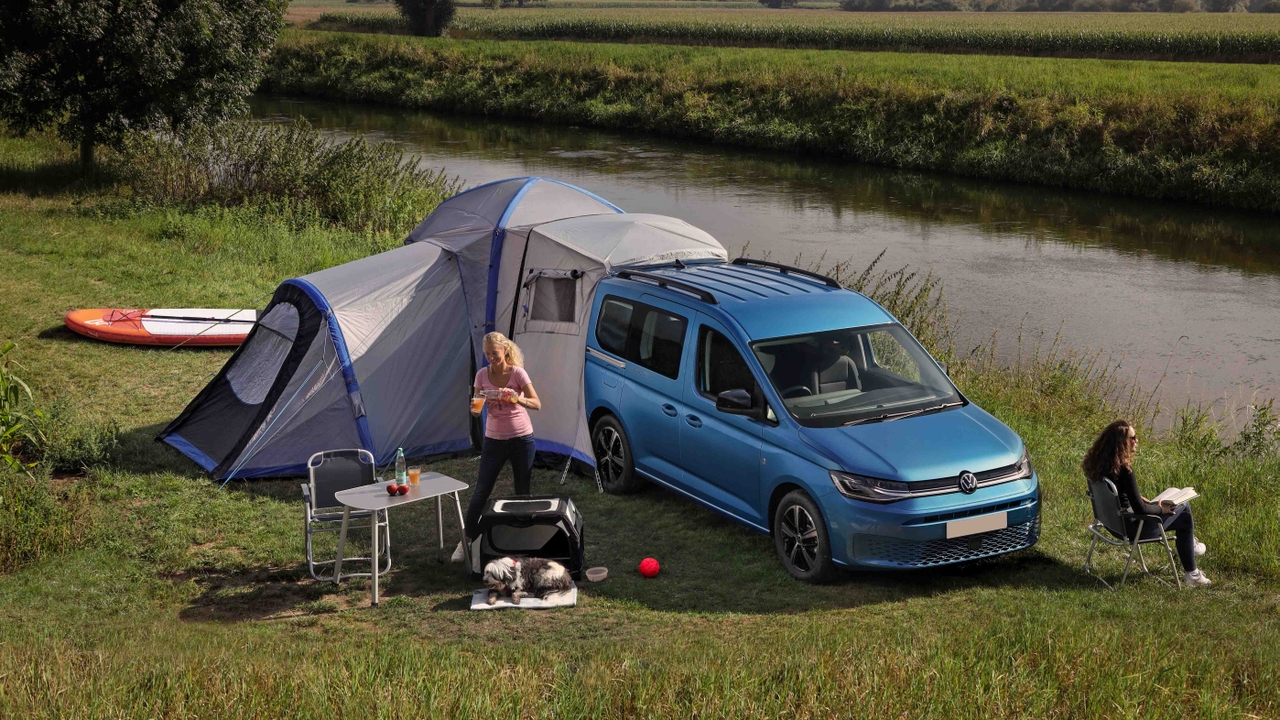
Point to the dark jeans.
(1181, 522)
(493, 455)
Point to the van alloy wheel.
(610, 455)
(799, 538)
(614, 463)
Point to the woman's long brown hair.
(1110, 452)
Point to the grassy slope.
(190, 601)
(1204, 132)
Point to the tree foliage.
(97, 69)
(428, 18)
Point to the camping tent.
(379, 353)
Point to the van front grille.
(931, 553)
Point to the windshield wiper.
(903, 415)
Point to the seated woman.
(1111, 457)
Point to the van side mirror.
(736, 402)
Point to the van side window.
(720, 365)
(661, 340)
(614, 325)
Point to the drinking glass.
(415, 474)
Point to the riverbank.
(1220, 37)
(1198, 132)
(183, 599)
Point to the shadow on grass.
(252, 595)
(55, 178)
(139, 452)
(709, 564)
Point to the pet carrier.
(545, 526)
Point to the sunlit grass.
(187, 600)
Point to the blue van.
(801, 409)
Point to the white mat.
(568, 598)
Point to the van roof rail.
(787, 269)
(666, 282)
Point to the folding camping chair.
(331, 472)
(1108, 516)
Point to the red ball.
(649, 567)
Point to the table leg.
(375, 558)
(466, 547)
(440, 519)
(342, 545)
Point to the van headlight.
(861, 487)
(1024, 464)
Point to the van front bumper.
(913, 533)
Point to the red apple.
(402, 489)
(392, 489)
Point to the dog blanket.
(568, 598)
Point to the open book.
(1176, 495)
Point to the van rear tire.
(614, 461)
(800, 537)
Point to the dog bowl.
(596, 574)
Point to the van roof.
(768, 302)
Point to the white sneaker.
(1199, 547)
(458, 554)
(1196, 578)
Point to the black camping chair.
(1117, 524)
(332, 472)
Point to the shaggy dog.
(520, 577)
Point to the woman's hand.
(1167, 506)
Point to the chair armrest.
(306, 493)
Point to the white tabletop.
(375, 497)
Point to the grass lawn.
(187, 601)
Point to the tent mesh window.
(254, 372)
(554, 300)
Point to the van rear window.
(645, 335)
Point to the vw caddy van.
(803, 410)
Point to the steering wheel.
(796, 391)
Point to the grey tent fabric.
(379, 353)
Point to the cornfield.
(1239, 38)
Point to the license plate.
(979, 524)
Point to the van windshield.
(866, 374)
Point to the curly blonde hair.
(498, 340)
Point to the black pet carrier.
(544, 526)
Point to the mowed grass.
(1233, 37)
(190, 601)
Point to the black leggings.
(493, 455)
(1181, 522)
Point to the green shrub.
(21, 422)
(36, 520)
(292, 171)
(427, 18)
(73, 443)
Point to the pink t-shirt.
(506, 420)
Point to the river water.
(1180, 295)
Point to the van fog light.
(861, 487)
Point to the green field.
(180, 600)
(1206, 132)
(1232, 37)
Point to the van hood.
(925, 447)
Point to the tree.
(427, 17)
(97, 69)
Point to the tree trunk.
(86, 150)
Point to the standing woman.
(1112, 457)
(508, 432)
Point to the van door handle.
(669, 410)
(693, 420)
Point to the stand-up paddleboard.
(164, 326)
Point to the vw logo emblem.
(968, 483)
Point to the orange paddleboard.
(172, 326)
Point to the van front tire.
(800, 537)
(614, 461)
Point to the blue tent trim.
(180, 444)
(344, 358)
(495, 255)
